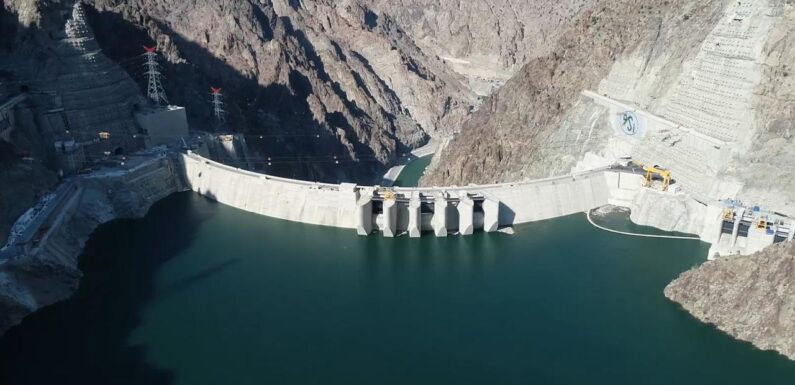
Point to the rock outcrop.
(718, 72)
(520, 132)
(50, 273)
(53, 69)
(315, 79)
(751, 298)
(486, 41)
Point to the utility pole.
(218, 105)
(154, 90)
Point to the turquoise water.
(199, 293)
(411, 174)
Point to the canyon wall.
(711, 77)
(49, 272)
(487, 42)
(537, 124)
(316, 78)
(72, 92)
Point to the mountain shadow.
(281, 131)
(85, 339)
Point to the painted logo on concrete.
(629, 124)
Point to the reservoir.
(200, 293)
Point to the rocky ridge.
(520, 131)
(719, 68)
(750, 297)
(51, 274)
(488, 42)
(319, 78)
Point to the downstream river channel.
(411, 174)
(200, 293)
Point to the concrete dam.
(395, 211)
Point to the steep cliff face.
(717, 72)
(765, 169)
(50, 272)
(520, 131)
(316, 79)
(35, 57)
(751, 298)
(486, 41)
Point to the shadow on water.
(196, 278)
(84, 340)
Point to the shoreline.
(48, 271)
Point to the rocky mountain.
(308, 81)
(316, 78)
(714, 74)
(487, 42)
(750, 297)
(329, 90)
(514, 89)
(517, 124)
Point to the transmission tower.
(76, 27)
(218, 105)
(155, 91)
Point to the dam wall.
(413, 210)
(288, 199)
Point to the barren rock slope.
(487, 41)
(512, 136)
(752, 298)
(718, 73)
(292, 71)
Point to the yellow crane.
(654, 170)
(390, 195)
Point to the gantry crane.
(656, 170)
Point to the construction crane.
(655, 170)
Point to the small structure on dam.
(162, 122)
(746, 230)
